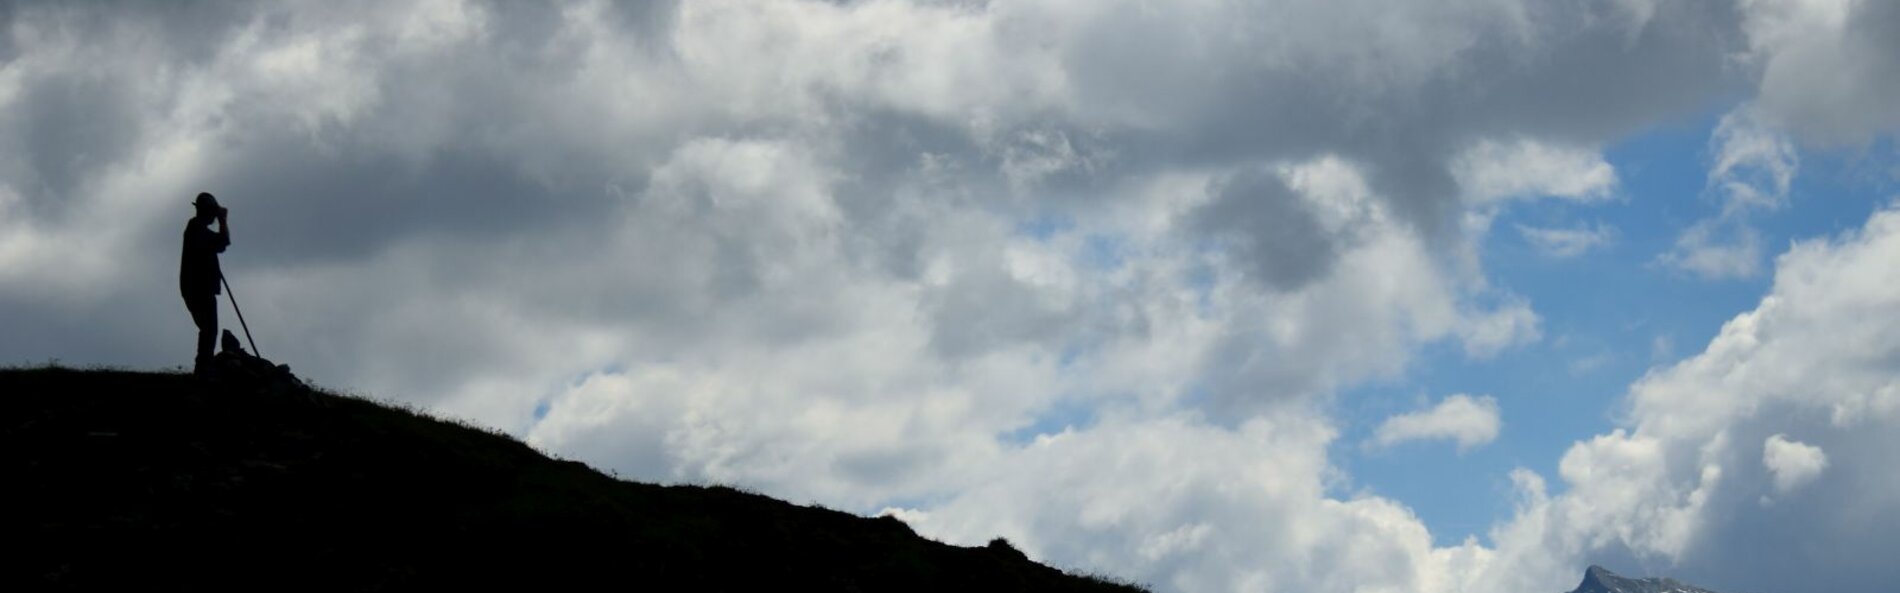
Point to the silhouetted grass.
(155, 481)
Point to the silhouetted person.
(198, 273)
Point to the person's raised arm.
(224, 229)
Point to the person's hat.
(205, 199)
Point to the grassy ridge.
(155, 480)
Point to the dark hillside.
(154, 481)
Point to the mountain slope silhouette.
(137, 480)
(1597, 579)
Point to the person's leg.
(204, 313)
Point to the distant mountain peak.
(1597, 574)
(1598, 579)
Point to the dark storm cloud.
(1581, 78)
(650, 20)
(8, 47)
(38, 333)
(70, 124)
(1855, 557)
(981, 312)
(330, 188)
(1874, 28)
(67, 130)
(187, 32)
(1273, 231)
(1593, 83)
(1830, 78)
(887, 152)
(330, 204)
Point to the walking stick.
(234, 307)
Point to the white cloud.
(1754, 167)
(1589, 364)
(1567, 242)
(1682, 482)
(1717, 249)
(1754, 164)
(1512, 323)
(1470, 421)
(1491, 171)
(1176, 503)
(1662, 348)
(1792, 463)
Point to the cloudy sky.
(1344, 295)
